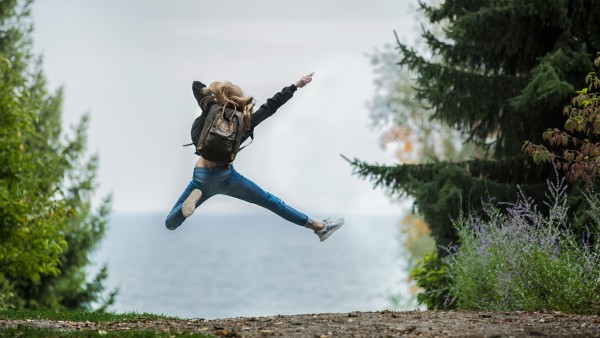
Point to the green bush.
(431, 275)
(49, 226)
(7, 295)
(519, 258)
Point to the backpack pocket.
(220, 141)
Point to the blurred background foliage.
(48, 226)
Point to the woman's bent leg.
(249, 191)
(176, 217)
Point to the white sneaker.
(189, 205)
(329, 228)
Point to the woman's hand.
(304, 80)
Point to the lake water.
(217, 266)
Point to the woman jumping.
(210, 178)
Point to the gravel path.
(360, 324)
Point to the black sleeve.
(270, 107)
(197, 87)
(199, 95)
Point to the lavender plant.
(516, 257)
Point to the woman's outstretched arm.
(272, 104)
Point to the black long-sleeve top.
(266, 110)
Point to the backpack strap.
(251, 140)
(240, 125)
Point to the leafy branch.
(576, 150)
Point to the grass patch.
(80, 316)
(49, 333)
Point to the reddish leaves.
(575, 151)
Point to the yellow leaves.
(416, 224)
(417, 238)
(394, 134)
(405, 138)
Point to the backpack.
(220, 139)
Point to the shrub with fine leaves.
(516, 257)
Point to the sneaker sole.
(189, 205)
(331, 231)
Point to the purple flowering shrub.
(515, 257)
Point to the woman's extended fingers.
(305, 80)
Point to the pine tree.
(47, 225)
(500, 74)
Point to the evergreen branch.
(407, 178)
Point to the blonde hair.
(226, 93)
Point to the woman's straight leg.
(240, 187)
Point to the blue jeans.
(226, 181)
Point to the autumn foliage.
(575, 150)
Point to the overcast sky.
(131, 63)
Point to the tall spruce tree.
(47, 225)
(500, 74)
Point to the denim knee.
(170, 227)
(171, 222)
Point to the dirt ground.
(360, 324)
